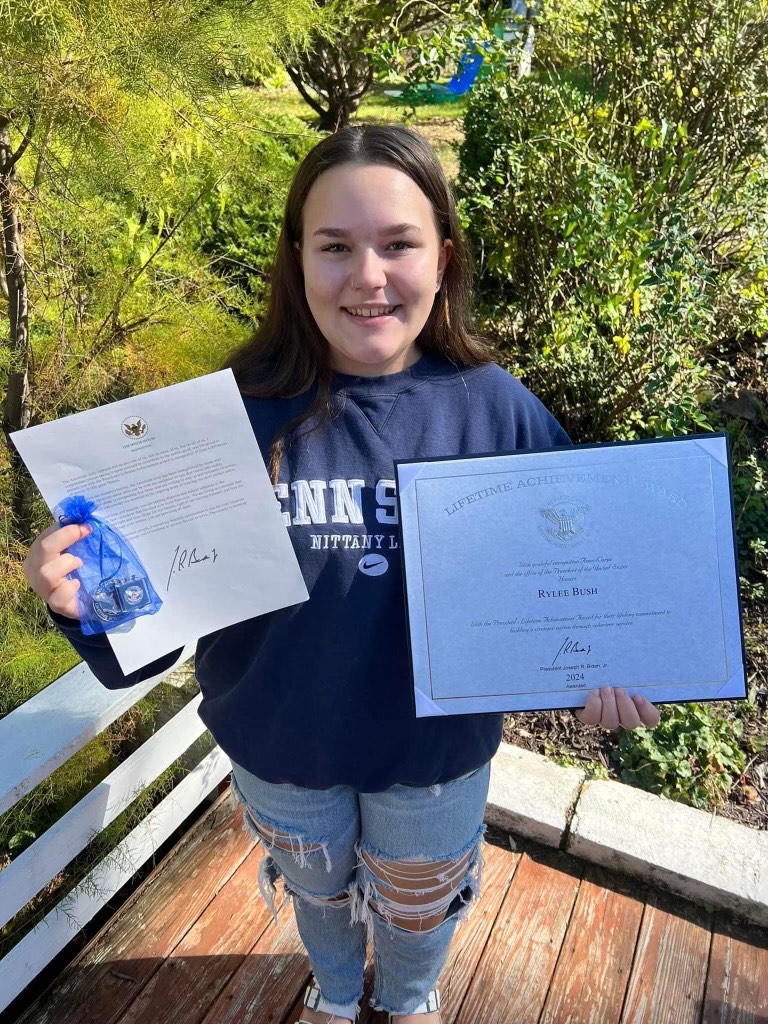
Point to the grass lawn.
(439, 123)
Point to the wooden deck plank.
(472, 936)
(514, 972)
(100, 984)
(552, 941)
(737, 984)
(592, 972)
(209, 954)
(670, 969)
(268, 980)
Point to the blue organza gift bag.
(114, 586)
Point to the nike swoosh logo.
(369, 565)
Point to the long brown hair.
(287, 355)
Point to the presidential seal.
(565, 522)
(113, 598)
(134, 426)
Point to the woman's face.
(369, 244)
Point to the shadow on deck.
(553, 940)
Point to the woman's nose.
(368, 271)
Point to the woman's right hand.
(47, 564)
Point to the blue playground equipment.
(470, 64)
(466, 73)
(462, 81)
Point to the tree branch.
(6, 121)
(295, 76)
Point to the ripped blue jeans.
(400, 866)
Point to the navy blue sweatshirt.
(319, 694)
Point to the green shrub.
(238, 225)
(750, 499)
(691, 755)
(616, 202)
(618, 223)
(596, 286)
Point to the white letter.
(309, 501)
(382, 498)
(281, 491)
(347, 501)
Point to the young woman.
(373, 818)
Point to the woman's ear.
(442, 260)
(297, 253)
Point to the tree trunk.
(529, 31)
(17, 408)
(332, 77)
(338, 114)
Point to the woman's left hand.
(612, 707)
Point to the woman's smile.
(371, 316)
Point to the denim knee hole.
(275, 834)
(454, 903)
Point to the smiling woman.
(373, 818)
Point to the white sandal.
(313, 999)
(430, 1005)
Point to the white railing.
(35, 740)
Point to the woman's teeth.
(376, 311)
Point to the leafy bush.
(238, 225)
(616, 201)
(692, 755)
(618, 221)
(750, 499)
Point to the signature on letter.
(571, 647)
(183, 559)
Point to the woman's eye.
(336, 246)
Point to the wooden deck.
(553, 940)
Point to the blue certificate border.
(543, 451)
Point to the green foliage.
(692, 755)
(596, 283)
(750, 499)
(354, 42)
(593, 768)
(416, 56)
(132, 122)
(564, 32)
(32, 653)
(238, 224)
(618, 228)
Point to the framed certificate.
(535, 577)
